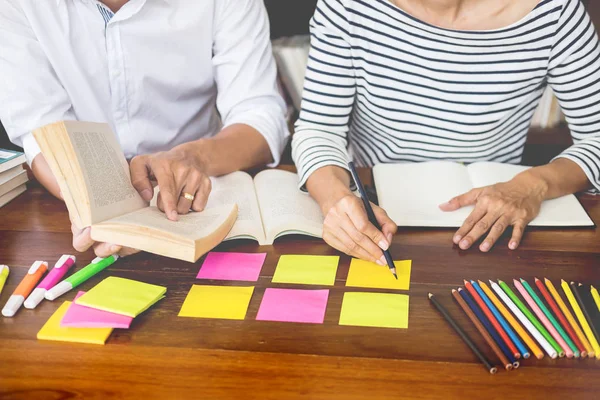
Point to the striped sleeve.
(321, 132)
(574, 75)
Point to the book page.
(238, 188)
(563, 211)
(105, 170)
(284, 208)
(412, 192)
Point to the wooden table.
(163, 356)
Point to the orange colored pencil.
(507, 364)
(535, 349)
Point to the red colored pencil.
(561, 317)
(492, 319)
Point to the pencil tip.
(572, 283)
(453, 290)
(536, 279)
(460, 289)
(429, 295)
(500, 281)
(580, 284)
(562, 281)
(522, 280)
(546, 280)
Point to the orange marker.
(26, 286)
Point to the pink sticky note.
(232, 266)
(78, 316)
(293, 305)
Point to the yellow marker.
(4, 271)
(535, 349)
(581, 318)
(569, 316)
(593, 290)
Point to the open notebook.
(412, 192)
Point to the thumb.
(140, 177)
(465, 199)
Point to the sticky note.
(385, 310)
(309, 270)
(122, 296)
(53, 331)
(366, 274)
(78, 316)
(293, 305)
(232, 266)
(222, 302)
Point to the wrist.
(199, 151)
(328, 186)
(537, 182)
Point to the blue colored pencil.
(500, 318)
(488, 326)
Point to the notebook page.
(412, 192)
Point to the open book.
(94, 180)
(412, 192)
(270, 205)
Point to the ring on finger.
(188, 196)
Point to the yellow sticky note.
(222, 302)
(385, 310)
(122, 296)
(53, 331)
(309, 270)
(366, 274)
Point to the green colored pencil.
(530, 317)
(550, 317)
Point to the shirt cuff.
(30, 148)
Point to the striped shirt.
(382, 86)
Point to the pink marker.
(542, 317)
(60, 269)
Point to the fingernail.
(147, 194)
(456, 239)
(485, 246)
(114, 248)
(173, 215)
(464, 244)
(382, 261)
(389, 237)
(378, 262)
(512, 245)
(383, 245)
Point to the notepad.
(53, 331)
(221, 302)
(366, 274)
(293, 305)
(308, 270)
(78, 316)
(232, 266)
(122, 296)
(384, 310)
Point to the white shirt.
(160, 72)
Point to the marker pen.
(97, 265)
(60, 269)
(4, 271)
(25, 287)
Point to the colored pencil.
(491, 369)
(584, 324)
(488, 326)
(507, 364)
(563, 307)
(531, 318)
(513, 322)
(595, 295)
(525, 321)
(555, 335)
(590, 306)
(566, 340)
(511, 334)
(561, 317)
(493, 320)
(584, 307)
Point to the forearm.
(237, 147)
(558, 178)
(41, 171)
(328, 185)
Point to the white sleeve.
(245, 72)
(30, 92)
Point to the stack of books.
(12, 175)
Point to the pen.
(4, 271)
(96, 266)
(371, 215)
(25, 287)
(60, 269)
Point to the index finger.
(139, 177)
(167, 198)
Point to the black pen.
(371, 215)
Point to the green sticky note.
(222, 302)
(308, 270)
(366, 274)
(384, 310)
(122, 296)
